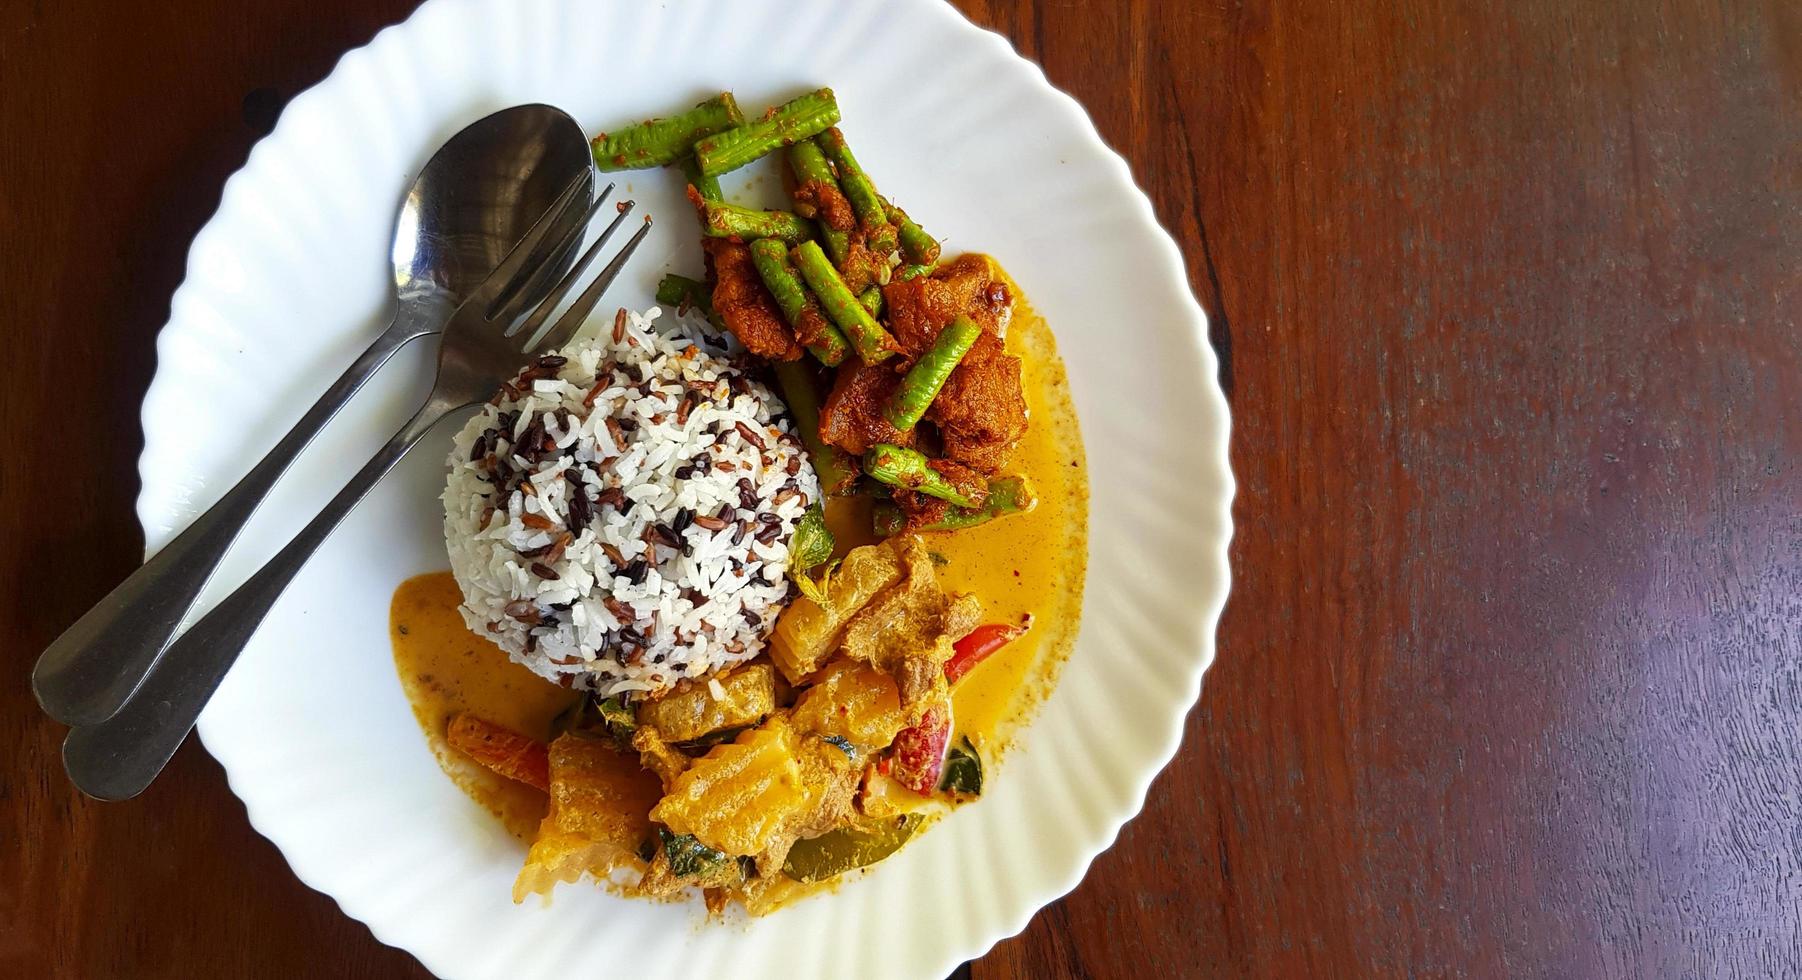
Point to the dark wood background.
(1507, 303)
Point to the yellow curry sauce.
(1029, 563)
(447, 670)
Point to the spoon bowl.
(477, 196)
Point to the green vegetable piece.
(872, 214)
(812, 543)
(1007, 495)
(708, 187)
(803, 398)
(917, 246)
(842, 744)
(722, 220)
(659, 142)
(898, 466)
(810, 548)
(963, 771)
(808, 162)
(771, 259)
(871, 299)
(923, 381)
(618, 716)
(612, 719)
(675, 290)
(873, 344)
(838, 246)
(784, 125)
(823, 339)
(907, 272)
(810, 168)
(838, 851)
(684, 293)
(687, 856)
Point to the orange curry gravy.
(1027, 563)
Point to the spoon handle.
(95, 665)
(116, 759)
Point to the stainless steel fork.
(484, 344)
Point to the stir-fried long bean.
(707, 187)
(1007, 495)
(818, 334)
(923, 381)
(899, 466)
(917, 246)
(722, 220)
(803, 398)
(872, 215)
(784, 125)
(873, 344)
(684, 293)
(871, 299)
(817, 195)
(658, 142)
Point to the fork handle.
(116, 759)
(96, 664)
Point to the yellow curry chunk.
(738, 796)
(854, 701)
(908, 630)
(599, 814)
(807, 632)
(658, 756)
(692, 710)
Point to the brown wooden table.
(1507, 303)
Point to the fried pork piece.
(851, 418)
(969, 285)
(981, 411)
(742, 300)
(907, 631)
(600, 808)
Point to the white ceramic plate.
(288, 282)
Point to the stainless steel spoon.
(117, 758)
(473, 200)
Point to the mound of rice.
(619, 518)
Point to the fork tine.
(573, 318)
(544, 268)
(507, 276)
(548, 305)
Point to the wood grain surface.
(1507, 300)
